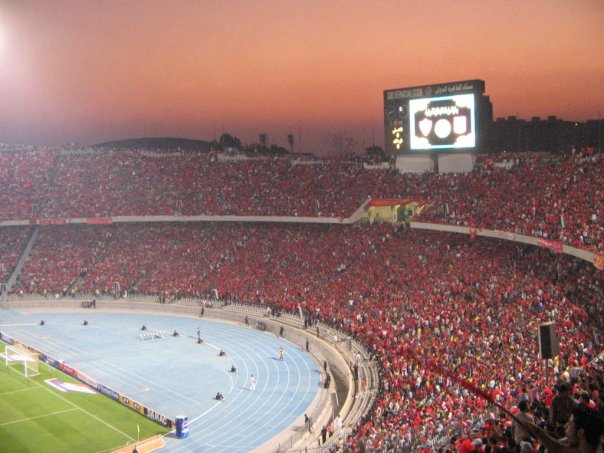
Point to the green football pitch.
(36, 417)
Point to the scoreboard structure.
(436, 119)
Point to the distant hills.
(158, 143)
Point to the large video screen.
(433, 119)
(442, 122)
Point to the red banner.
(552, 245)
(67, 369)
(99, 221)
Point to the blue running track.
(178, 376)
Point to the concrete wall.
(456, 163)
(414, 164)
(506, 235)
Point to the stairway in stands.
(19, 267)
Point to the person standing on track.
(281, 353)
(252, 383)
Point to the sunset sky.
(93, 71)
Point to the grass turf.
(36, 417)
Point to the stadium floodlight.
(15, 355)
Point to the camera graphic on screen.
(446, 122)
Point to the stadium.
(425, 294)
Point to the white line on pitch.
(81, 408)
(37, 416)
(17, 391)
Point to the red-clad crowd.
(420, 302)
(24, 176)
(426, 305)
(560, 197)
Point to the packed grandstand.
(427, 305)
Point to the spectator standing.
(561, 408)
(518, 424)
(307, 422)
(338, 424)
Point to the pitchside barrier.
(91, 382)
(144, 446)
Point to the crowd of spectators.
(418, 301)
(24, 176)
(422, 303)
(559, 197)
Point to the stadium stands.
(12, 243)
(553, 196)
(418, 301)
